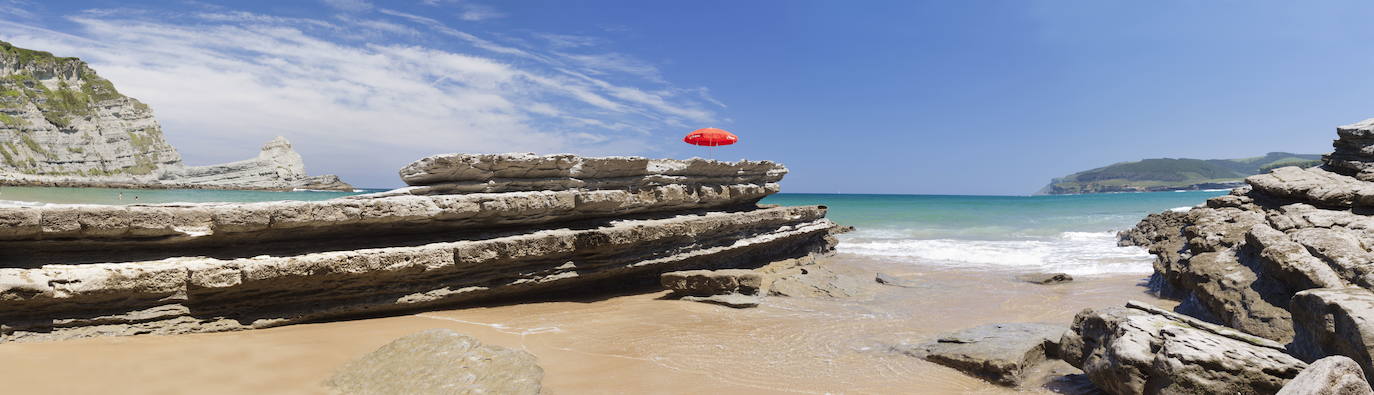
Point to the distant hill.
(1169, 174)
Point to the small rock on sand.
(1000, 353)
(1045, 278)
(729, 300)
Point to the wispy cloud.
(478, 12)
(364, 107)
(349, 5)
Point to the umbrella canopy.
(710, 137)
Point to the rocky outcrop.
(61, 124)
(1000, 353)
(713, 282)
(1287, 257)
(1335, 375)
(1144, 350)
(440, 361)
(74, 271)
(277, 166)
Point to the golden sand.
(622, 344)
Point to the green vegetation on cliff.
(1174, 174)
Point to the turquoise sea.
(1075, 234)
(1070, 233)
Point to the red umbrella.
(710, 137)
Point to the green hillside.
(1166, 174)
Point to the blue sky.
(949, 97)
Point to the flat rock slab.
(713, 282)
(1045, 278)
(731, 300)
(1334, 375)
(440, 361)
(999, 353)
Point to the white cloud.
(224, 82)
(349, 5)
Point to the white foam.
(1183, 209)
(20, 203)
(1076, 253)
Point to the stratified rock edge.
(76, 271)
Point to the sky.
(908, 96)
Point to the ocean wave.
(20, 203)
(1181, 209)
(1075, 253)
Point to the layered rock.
(1287, 257)
(61, 124)
(72, 271)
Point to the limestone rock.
(440, 361)
(277, 166)
(1045, 278)
(1145, 350)
(713, 282)
(999, 353)
(1336, 375)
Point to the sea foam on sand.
(1076, 253)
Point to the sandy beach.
(632, 343)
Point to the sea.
(1074, 234)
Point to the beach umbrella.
(710, 137)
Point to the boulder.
(1335, 321)
(1142, 349)
(1335, 375)
(999, 353)
(713, 282)
(1045, 278)
(439, 361)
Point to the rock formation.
(440, 361)
(1144, 350)
(1287, 257)
(738, 288)
(61, 124)
(79, 270)
(1000, 353)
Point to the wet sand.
(634, 343)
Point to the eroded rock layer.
(1288, 257)
(75, 271)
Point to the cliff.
(1286, 258)
(470, 228)
(61, 124)
(1167, 174)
